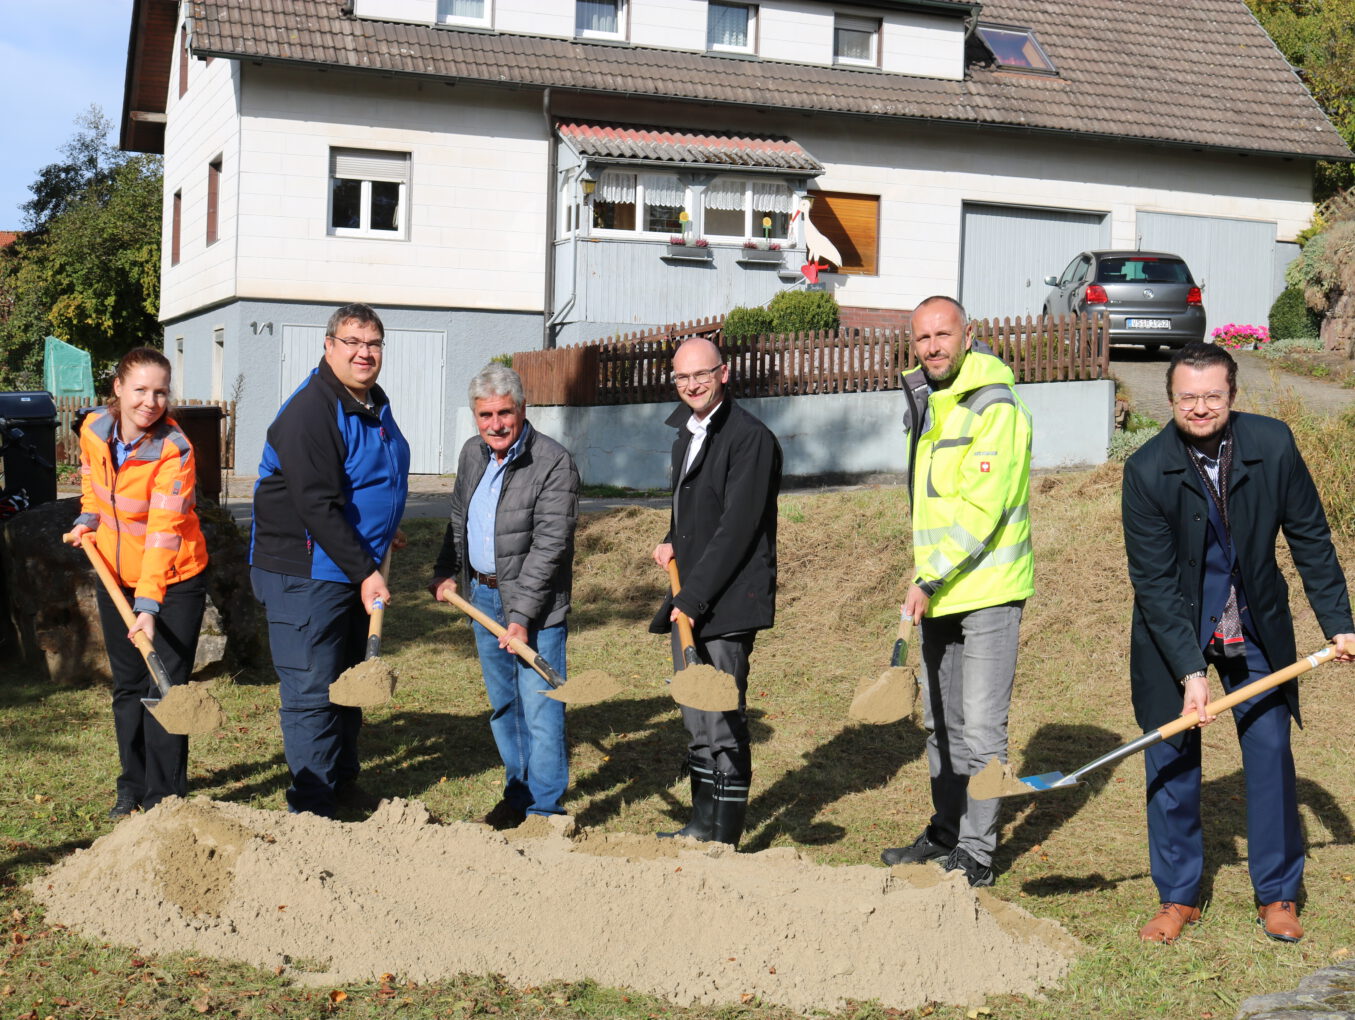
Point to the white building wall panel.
(921, 44)
(673, 24)
(200, 128)
(798, 31)
(535, 17)
(476, 198)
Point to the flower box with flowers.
(1240, 337)
(697, 249)
(761, 252)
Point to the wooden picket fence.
(636, 368)
(68, 446)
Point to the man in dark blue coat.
(726, 474)
(1203, 504)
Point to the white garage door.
(413, 376)
(1008, 250)
(1232, 260)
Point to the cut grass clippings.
(839, 792)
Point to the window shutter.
(369, 165)
(852, 223)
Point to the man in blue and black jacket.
(327, 507)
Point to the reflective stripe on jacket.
(142, 513)
(971, 492)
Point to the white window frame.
(484, 21)
(751, 231)
(639, 233)
(384, 168)
(588, 33)
(855, 23)
(751, 30)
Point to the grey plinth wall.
(840, 434)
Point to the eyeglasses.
(682, 380)
(353, 343)
(1215, 400)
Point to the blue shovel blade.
(1047, 781)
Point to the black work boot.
(924, 848)
(731, 808)
(703, 804)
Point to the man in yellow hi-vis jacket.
(969, 482)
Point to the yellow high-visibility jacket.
(971, 491)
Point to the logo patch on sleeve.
(985, 466)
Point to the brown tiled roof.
(1199, 73)
(712, 148)
(8, 237)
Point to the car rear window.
(1142, 270)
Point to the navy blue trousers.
(316, 630)
(1275, 848)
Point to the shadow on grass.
(25, 855)
(643, 761)
(858, 758)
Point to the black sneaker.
(348, 794)
(978, 874)
(125, 805)
(503, 815)
(923, 849)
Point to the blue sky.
(56, 58)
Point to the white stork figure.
(816, 245)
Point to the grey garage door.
(1233, 260)
(413, 376)
(1008, 250)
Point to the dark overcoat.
(724, 530)
(1165, 517)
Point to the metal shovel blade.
(1048, 781)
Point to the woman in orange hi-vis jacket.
(137, 495)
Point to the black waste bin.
(201, 423)
(28, 424)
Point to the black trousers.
(154, 763)
(719, 740)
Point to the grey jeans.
(968, 662)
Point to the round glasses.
(1215, 400)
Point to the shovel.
(587, 687)
(184, 710)
(996, 780)
(695, 685)
(893, 694)
(371, 682)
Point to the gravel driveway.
(1260, 384)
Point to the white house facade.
(501, 175)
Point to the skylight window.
(1016, 49)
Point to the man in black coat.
(1203, 504)
(726, 474)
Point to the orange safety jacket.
(142, 513)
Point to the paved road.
(1260, 384)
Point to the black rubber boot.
(731, 808)
(703, 804)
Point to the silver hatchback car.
(1149, 296)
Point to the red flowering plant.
(1235, 336)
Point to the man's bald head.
(700, 375)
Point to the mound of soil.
(369, 684)
(587, 687)
(705, 688)
(887, 699)
(336, 902)
(190, 709)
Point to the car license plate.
(1148, 323)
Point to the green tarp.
(66, 370)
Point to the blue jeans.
(1275, 848)
(529, 729)
(968, 661)
(316, 630)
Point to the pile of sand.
(369, 684)
(336, 903)
(190, 709)
(705, 688)
(887, 699)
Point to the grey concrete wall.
(839, 434)
(252, 352)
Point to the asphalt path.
(1261, 385)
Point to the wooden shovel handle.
(526, 652)
(1185, 722)
(905, 627)
(143, 643)
(378, 613)
(684, 625)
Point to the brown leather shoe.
(1280, 920)
(1166, 926)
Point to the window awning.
(627, 144)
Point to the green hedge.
(1291, 318)
(743, 321)
(794, 311)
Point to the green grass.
(839, 793)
